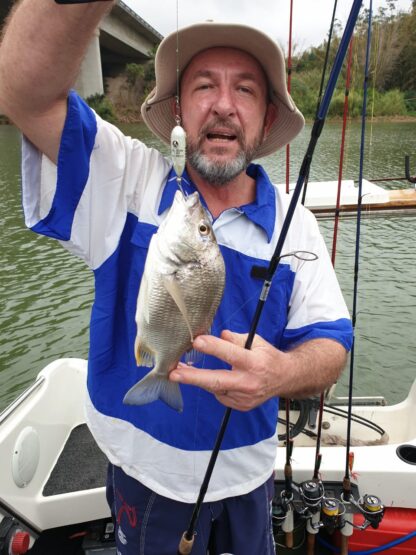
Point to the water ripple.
(47, 294)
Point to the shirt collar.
(262, 211)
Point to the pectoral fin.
(193, 356)
(172, 287)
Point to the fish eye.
(203, 228)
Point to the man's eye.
(245, 90)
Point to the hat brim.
(157, 110)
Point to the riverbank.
(131, 114)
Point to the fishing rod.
(370, 506)
(187, 539)
(407, 170)
(342, 150)
(312, 492)
(288, 523)
(287, 494)
(321, 85)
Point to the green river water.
(46, 294)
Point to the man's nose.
(224, 105)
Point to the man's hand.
(263, 371)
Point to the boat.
(52, 474)
(321, 199)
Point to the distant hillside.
(392, 83)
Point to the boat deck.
(321, 199)
(80, 466)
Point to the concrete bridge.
(122, 37)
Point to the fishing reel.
(332, 513)
(312, 493)
(371, 508)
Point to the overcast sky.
(311, 18)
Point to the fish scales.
(181, 289)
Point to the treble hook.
(407, 170)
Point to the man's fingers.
(233, 337)
(231, 352)
(215, 381)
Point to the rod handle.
(344, 545)
(310, 544)
(185, 545)
(289, 539)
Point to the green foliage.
(133, 72)
(144, 71)
(141, 77)
(102, 106)
(355, 103)
(410, 100)
(392, 75)
(149, 69)
(390, 103)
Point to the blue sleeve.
(77, 142)
(338, 330)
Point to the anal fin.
(144, 356)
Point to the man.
(103, 195)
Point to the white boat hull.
(54, 406)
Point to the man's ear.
(270, 117)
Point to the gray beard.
(214, 172)
(219, 173)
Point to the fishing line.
(287, 495)
(355, 418)
(289, 82)
(321, 85)
(346, 497)
(297, 428)
(178, 135)
(261, 271)
(347, 485)
(185, 546)
(373, 95)
(318, 455)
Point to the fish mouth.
(189, 202)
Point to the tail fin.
(153, 387)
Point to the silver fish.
(181, 289)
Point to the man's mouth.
(221, 137)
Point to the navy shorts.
(150, 524)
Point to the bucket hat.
(157, 108)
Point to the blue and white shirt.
(103, 201)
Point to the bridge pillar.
(90, 77)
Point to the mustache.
(224, 123)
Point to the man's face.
(225, 112)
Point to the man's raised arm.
(42, 48)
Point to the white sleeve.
(317, 307)
(100, 177)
